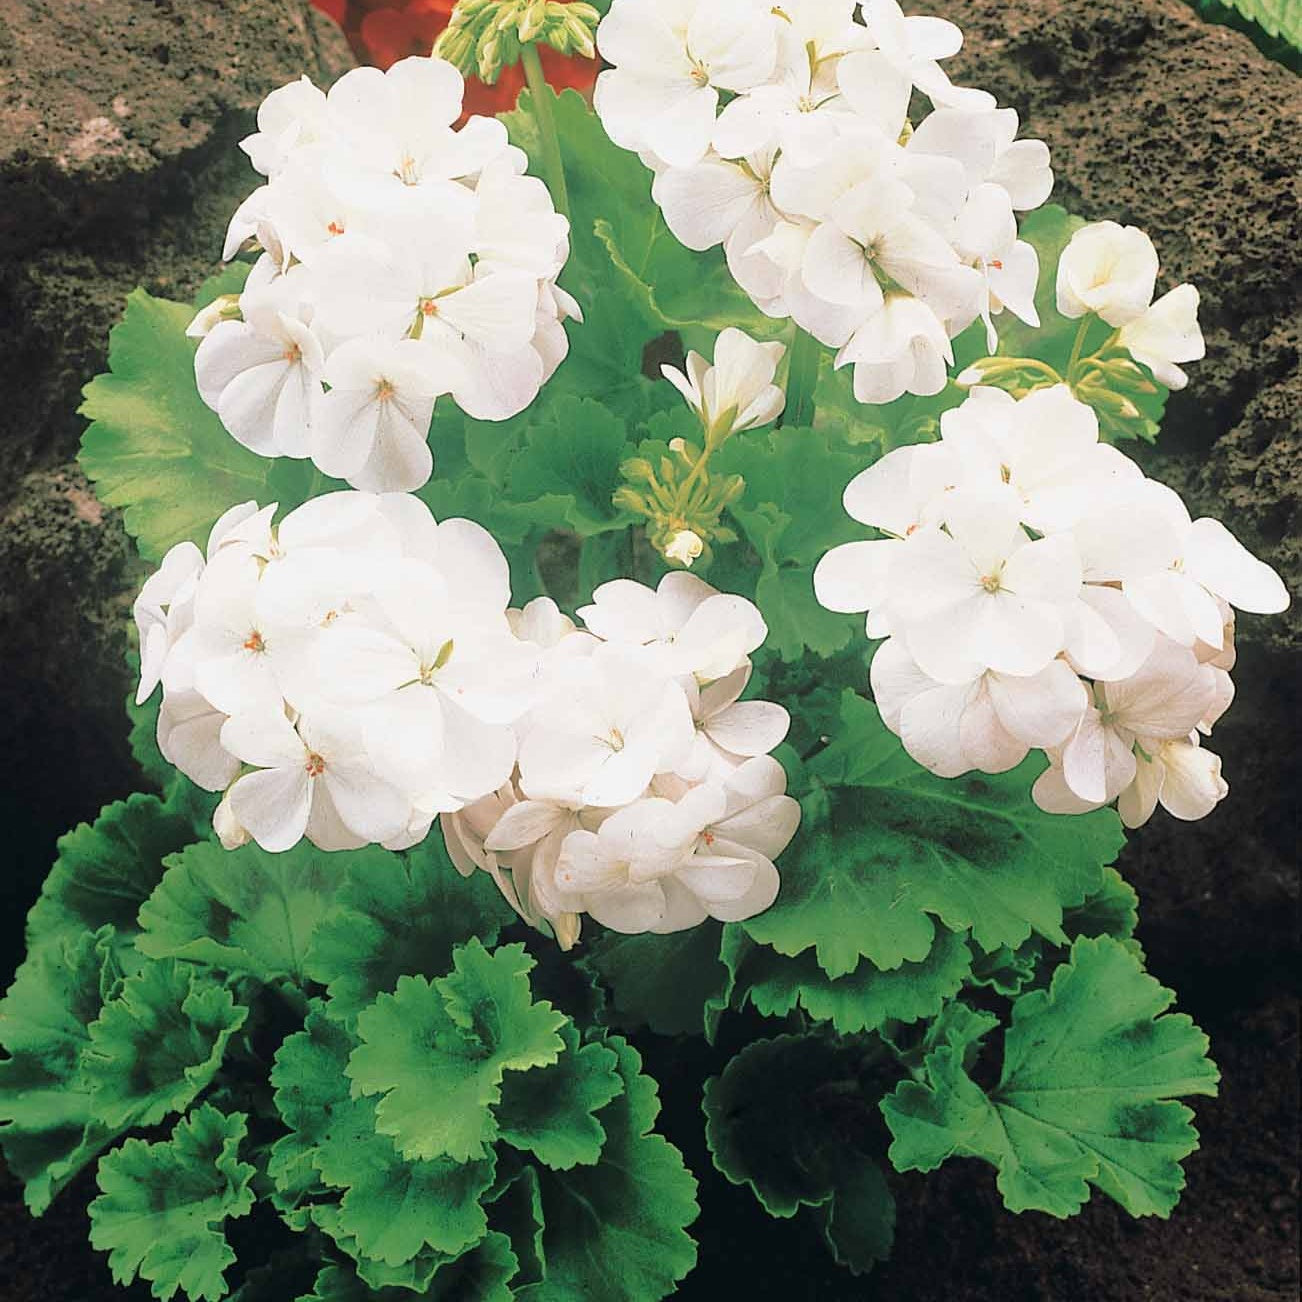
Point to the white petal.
(1217, 560)
(273, 806)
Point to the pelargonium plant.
(518, 496)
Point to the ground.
(117, 123)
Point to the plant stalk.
(553, 164)
(802, 379)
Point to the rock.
(1162, 120)
(119, 166)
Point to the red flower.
(383, 31)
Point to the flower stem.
(542, 95)
(1077, 349)
(802, 379)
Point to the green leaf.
(517, 1212)
(675, 984)
(107, 869)
(617, 1231)
(1086, 1095)
(399, 915)
(391, 1208)
(436, 1051)
(605, 183)
(47, 1122)
(1275, 26)
(677, 288)
(551, 1113)
(158, 1044)
(791, 514)
(162, 1208)
(863, 1000)
(904, 848)
(482, 1274)
(157, 452)
(782, 1120)
(243, 912)
(568, 469)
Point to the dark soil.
(1154, 118)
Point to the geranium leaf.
(481, 1274)
(777, 1121)
(157, 452)
(47, 1122)
(399, 915)
(551, 1113)
(605, 183)
(618, 1230)
(158, 1044)
(675, 984)
(904, 848)
(162, 1207)
(246, 912)
(107, 869)
(863, 1000)
(791, 514)
(517, 1212)
(1091, 1069)
(391, 1208)
(436, 1051)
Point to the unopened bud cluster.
(486, 36)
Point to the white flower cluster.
(883, 238)
(355, 672)
(645, 793)
(402, 260)
(1037, 591)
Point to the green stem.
(802, 379)
(542, 94)
(1077, 349)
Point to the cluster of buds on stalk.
(682, 501)
(486, 36)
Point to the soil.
(1154, 118)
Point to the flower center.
(700, 74)
(992, 583)
(255, 643)
(407, 172)
(293, 354)
(315, 765)
(335, 228)
(385, 390)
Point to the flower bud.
(228, 828)
(684, 547)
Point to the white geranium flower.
(396, 150)
(729, 730)
(1165, 334)
(983, 595)
(164, 610)
(688, 626)
(189, 737)
(901, 348)
(897, 495)
(1208, 565)
(912, 46)
(1162, 702)
(669, 63)
(721, 201)
(289, 119)
(989, 724)
(230, 832)
(373, 425)
(1109, 270)
(314, 779)
(441, 681)
(1045, 446)
(608, 726)
(262, 375)
(985, 144)
(736, 391)
(1180, 775)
